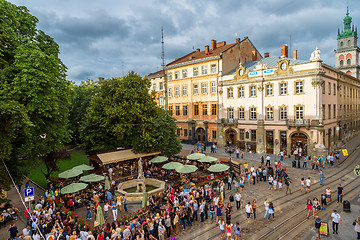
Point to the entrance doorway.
(270, 142)
(200, 135)
(299, 140)
(230, 137)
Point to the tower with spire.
(347, 53)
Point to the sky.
(109, 38)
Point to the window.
(242, 134)
(184, 90)
(196, 71)
(329, 90)
(196, 109)
(230, 93)
(203, 70)
(323, 88)
(341, 62)
(184, 73)
(190, 132)
(185, 132)
(334, 110)
(329, 111)
(299, 87)
(283, 113)
(334, 89)
(154, 86)
(323, 111)
(177, 110)
(340, 110)
(177, 74)
(213, 109)
(196, 89)
(204, 88)
(252, 91)
(178, 132)
(213, 133)
(269, 113)
(253, 135)
(185, 110)
(161, 100)
(170, 108)
(170, 76)
(177, 92)
(230, 114)
(348, 61)
(213, 87)
(283, 88)
(341, 43)
(204, 109)
(170, 92)
(241, 92)
(161, 86)
(241, 113)
(349, 42)
(213, 68)
(253, 113)
(299, 112)
(269, 90)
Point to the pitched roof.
(196, 55)
(270, 62)
(156, 74)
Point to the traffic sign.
(29, 192)
(345, 152)
(30, 198)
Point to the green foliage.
(124, 114)
(34, 92)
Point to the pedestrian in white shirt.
(248, 211)
(266, 205)
(308, 184)
(336, 220)
(238, 199)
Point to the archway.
(200, 135)
(230, 137)
(299, 140)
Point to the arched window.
(341, 44)
(341, 62)
(348, 61)
(349, 42)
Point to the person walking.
(238, 200)
(114, 210)
(287, 183)
(106, 210)
(221, 224)
(271, 210)
(253, 206)
(212, 211)
(308, 208)
(228, 212)
(248, 211)
(336, 221)
(321, 177)
(237, 231)
(229, 183)
(317, 226)
(340, 193)
(266, 205)
(308, 184)
(316, 206)
(268, 160)
(228, 230)
(356, 224)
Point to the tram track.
(287, 202)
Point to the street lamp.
(230, 151)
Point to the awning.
(118, 156)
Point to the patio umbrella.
(159, 159)
(186, 169)
(144, 199)
(83, 167)
(92, 178)
(107, 184)
(195, 156)
(172, 165)
(100, 216)
(218, 168)
(207, 159)
(70, 173)
(74, 187)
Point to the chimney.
(207, 50)
(266, 55)
(220, 44)
(213, 44)
(284, 51)
(295, 54)
(246, 37)
(237, 40)
(254, 55)
(198, 50)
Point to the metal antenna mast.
(162, 49)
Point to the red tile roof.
(156, 74)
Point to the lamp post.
(230, 151)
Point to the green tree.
(125, 114)
(34, 92)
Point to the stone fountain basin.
(137, 196)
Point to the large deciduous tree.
(124, 114)
(34, 92)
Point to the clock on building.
(283, 66)
(241, 72)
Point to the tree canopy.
(124, 114)
(34, 92)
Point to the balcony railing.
(298, 123)
(228, 120)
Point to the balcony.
(229, 121)
(298, 123)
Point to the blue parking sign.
(28, 192)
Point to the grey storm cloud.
(109, 38)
